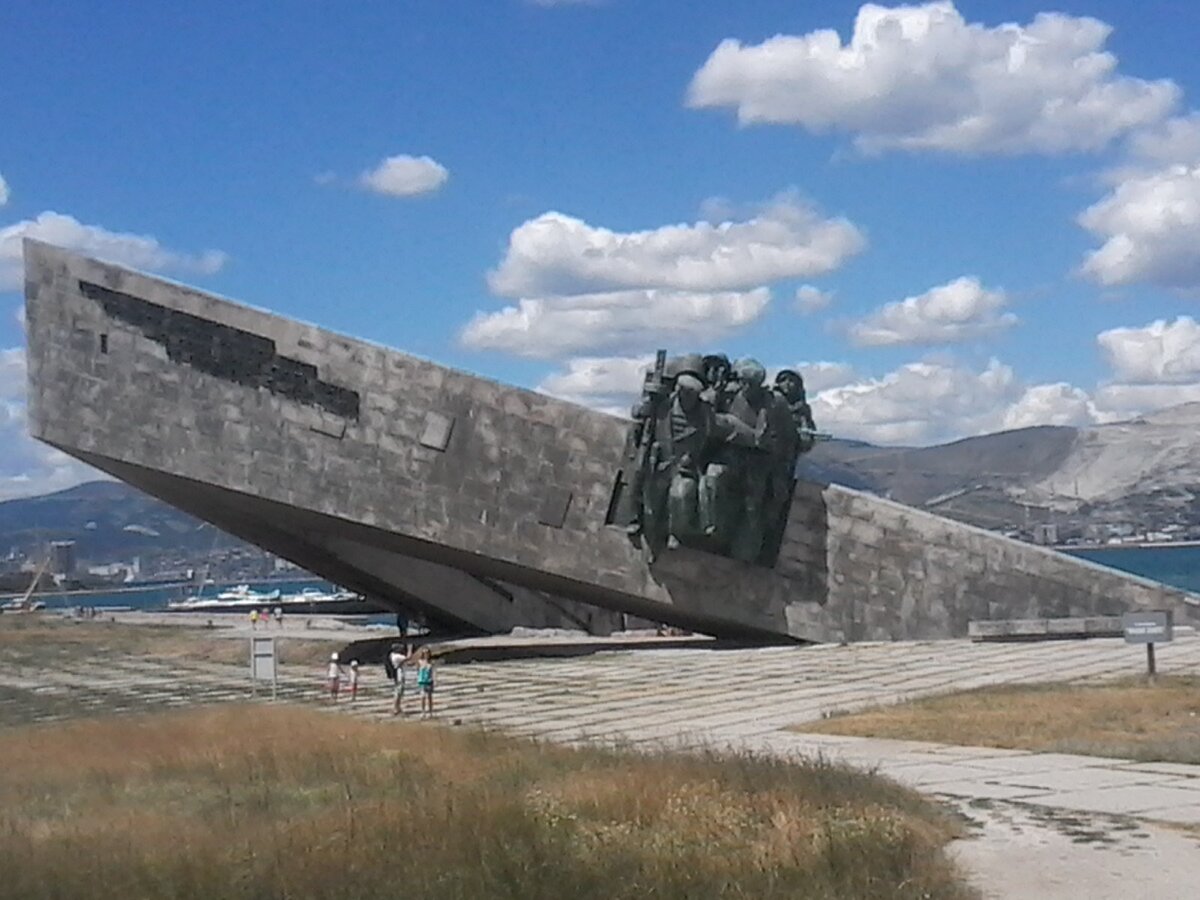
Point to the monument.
(489, 506)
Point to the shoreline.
(1140, 545)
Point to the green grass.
(279, 802)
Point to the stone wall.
(434, 464)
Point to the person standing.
(353, 680)
(334, 677)
(254, 620)
(277, 613)
(425, 681)
(397, 662)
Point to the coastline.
(1140, 545)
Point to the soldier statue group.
(711, 455)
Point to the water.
(1176, 566)
(156, 597)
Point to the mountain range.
(1144, 471)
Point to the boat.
(310, 601)
(243, 594)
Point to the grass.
(1129, 719)
(37, 640)
(283, 802)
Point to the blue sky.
(955, 217)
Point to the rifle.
(640, 447)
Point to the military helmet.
(750, 371)
(687, 364)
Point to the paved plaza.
(747, 699)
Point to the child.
(353, 680)
(425, 681)
(335, 677)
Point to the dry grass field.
(40, 639)
(1129, 719)
(284, 802)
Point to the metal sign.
(1150, 627)
(262, 663)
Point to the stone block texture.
(351, 458)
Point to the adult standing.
(334, 677)
(397, 664)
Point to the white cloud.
(1123, 401)
(960, 310)
(920, 403)
(1150, 224)
(1160, 352)
(810, 299)
(405, 176)
(1174, 141)
(4, 192)
(628, 321)
(1052, 404)
(28, 467)
(922, 78)
(556, 254)
(609, 383)
(136, 251)
(821, 376)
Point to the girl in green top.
(425, 681)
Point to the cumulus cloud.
(629, 321)
(4, 193)
(405, 176)
(960, 310)
(1124, 401)
(809, 299)
(556, 254)
(1150, 225)
(1052, 404)
(28, 467)
(609, 383)
(923, 78)
(821, 376)
(1160, 352)
(919, 403)
(136, 251)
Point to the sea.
(157, 596)
(1175, 566)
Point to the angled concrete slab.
(350, 458)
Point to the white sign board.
(262, 661)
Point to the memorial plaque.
(1150, 627)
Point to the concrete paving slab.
(1083, 779)
(1122, 800)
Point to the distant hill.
(1144, 471)
(108, 521)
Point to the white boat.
(243, 594)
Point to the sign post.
(262, 664)
(1149, 628)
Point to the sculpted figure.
(690, 431)
(679, 432)
(789, 434)
(752, 441)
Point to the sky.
(953, 218)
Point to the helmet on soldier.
(750, 372)
(790, 383)
(689, 384)
(687, 364)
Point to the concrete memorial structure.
(480, 503)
